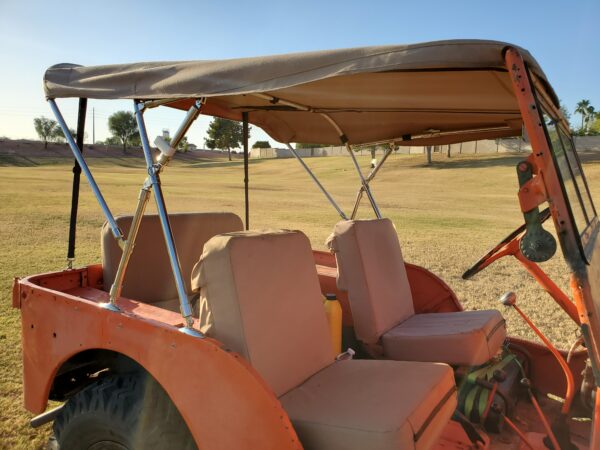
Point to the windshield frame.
(585, 235)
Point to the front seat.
(371, 269)
(260, 296)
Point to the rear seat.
(260, 296)
(371, 269)
(149, 277)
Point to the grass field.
(447, 216)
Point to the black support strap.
(245, 138)
(76, 180)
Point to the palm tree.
(591, 116)
(583, 108)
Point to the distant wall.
(583, 144)
(304, 152)
(587, 143)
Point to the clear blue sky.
(34, 34)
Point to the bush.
(261, 144)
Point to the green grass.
(446, 215)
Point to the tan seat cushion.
(373, 405)
(371, 269)
(458, 338)
(261, 297)
(149, 277)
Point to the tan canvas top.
(435, 92)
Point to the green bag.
(475, 390)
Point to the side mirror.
(537, 245)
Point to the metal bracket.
(532, 191)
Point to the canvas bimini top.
(429, 93)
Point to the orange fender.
(222, 399)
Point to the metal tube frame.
(115, 289)
(369, 178)
(364, 184)
(191, 115)
(153, 183)
(317, 182)
(116, 231)
(343, 140)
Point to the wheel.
(120, 412)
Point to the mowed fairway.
(446, 216)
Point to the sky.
(35, 34)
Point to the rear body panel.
(212, 388)
(61, 318)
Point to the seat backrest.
(149, 277)
(260, 296)
(371, 269)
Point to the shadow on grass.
(215, 164)
(487, 160)
(17, 161)
(483, 161)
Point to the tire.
(121, 412)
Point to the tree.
(44, 128)
(595, 128)
(372, 149)
(591, 116)
(583, 109)
(261, 144)
(123, 126)
(224, 134)
(210, 143)
(428, 150)
(184, 145)
(59, 137)
(112, 140)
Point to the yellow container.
(333, 309)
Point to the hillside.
(27, 153)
